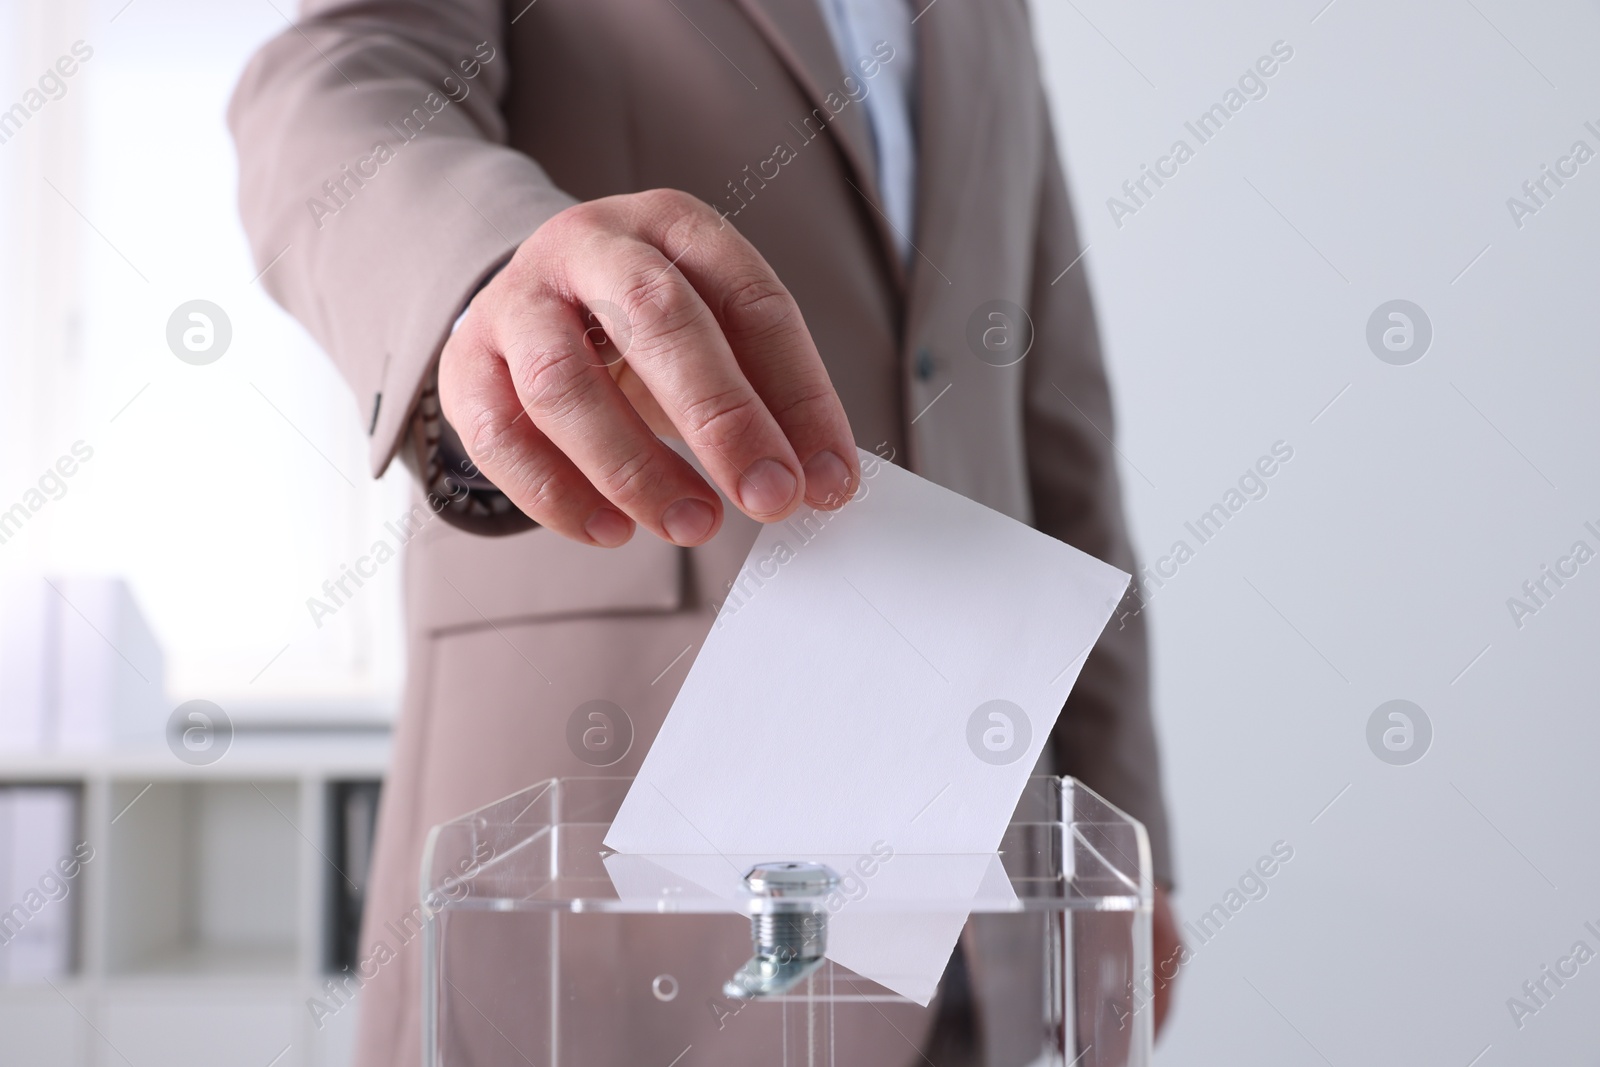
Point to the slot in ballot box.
(545, 948)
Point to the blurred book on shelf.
(80, 667)
(29, 654)
(40, 860)
(353, 812)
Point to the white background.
(1386, 549)
(227, 494)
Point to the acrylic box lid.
(541, 849)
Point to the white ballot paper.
(880, 679)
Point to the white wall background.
(120, 206)
(1234, 305)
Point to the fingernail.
(608, 528)
(827, 480)
(767, 487)
(688, 522)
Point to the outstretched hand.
(624, 320)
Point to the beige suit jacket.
(392, 155)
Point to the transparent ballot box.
(545, 948)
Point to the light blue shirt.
(857, 26)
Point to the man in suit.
(596, 265)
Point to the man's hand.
(1167, 950)
(630, 318)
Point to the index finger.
(767, 333)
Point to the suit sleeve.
(1105, 736)
(376, 187)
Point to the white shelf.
(209, 962)
(202, 915)
(207, 871)
(328, 755)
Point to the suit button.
(923, 365)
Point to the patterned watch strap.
(457, 490)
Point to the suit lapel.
(798, 34)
